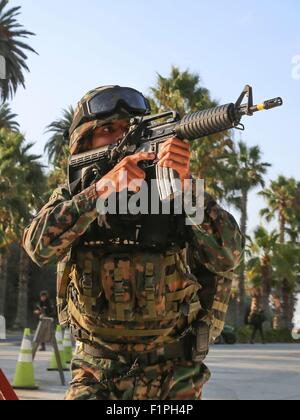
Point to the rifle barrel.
(270, 104)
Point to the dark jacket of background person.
(45, 309)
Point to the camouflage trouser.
(102, 379)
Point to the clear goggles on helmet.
(111, 100)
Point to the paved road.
(259, 372)
(48, 382)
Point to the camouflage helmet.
(83, 127)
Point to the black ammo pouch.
(200, 346)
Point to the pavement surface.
(270, 372)
(49, 384)
(241, 372)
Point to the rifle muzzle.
(270, 104)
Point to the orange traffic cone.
(6, 391)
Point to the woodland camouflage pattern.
(65, 218)
(136, 303)
(97, 379)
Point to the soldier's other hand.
(176, 154)
(126, 174)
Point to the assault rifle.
(147, 134)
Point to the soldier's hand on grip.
(126, 174)
(176, 154)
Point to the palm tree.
(8, 207)
(58, 175)
(283, 203)
(13, 49)
(293, 228)
(57, 146)
(245, 172)
(7, 118)
(182, 92)
(259, 269)
(209, 162)
(11, 189)
(286, 265)
(31, 172)
(280, 197)
(3, 276)
(34, 184)
(21, 187)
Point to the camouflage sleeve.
(219, 241)
(60, 222)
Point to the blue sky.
(86, 44)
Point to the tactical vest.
(127, 282)
(131, 298)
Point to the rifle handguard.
(204, 123)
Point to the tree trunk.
(266, 272)
(22, 304)
(231, 317)
(241, 294)
(282, 223)
(286, 304)
(293, 306)
(286, 321)
(256, 299)
(277, 312)
(3, 281)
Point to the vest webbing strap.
(114, 332)
(181, 294)
(218, 324)
(229, 275)
(219, 306)
(150, 289)
(119, 293)
(194, 307)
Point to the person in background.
(256, 320)
(44, 309)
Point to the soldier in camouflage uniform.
(142, 302)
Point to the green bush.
(272, 336)
(279, 336)
(243, 334)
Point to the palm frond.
(13, 49)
